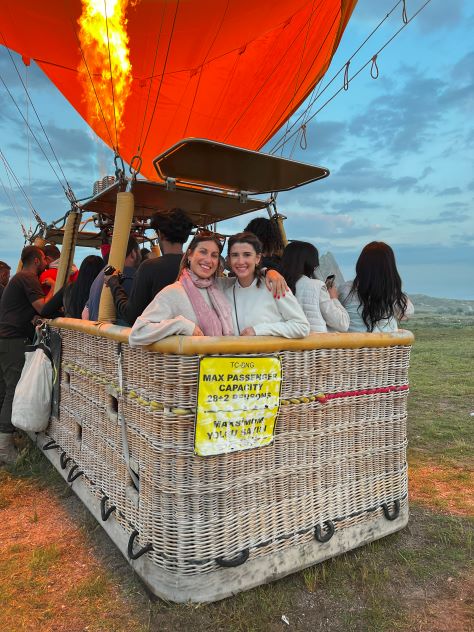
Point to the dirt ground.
(61, 573)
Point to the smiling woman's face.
(243, 260)
(204, 259)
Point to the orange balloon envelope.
(151, 72)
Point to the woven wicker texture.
(340, 460)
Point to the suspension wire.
(93, 86)
(158, 39)
(299, 67)
(264, 83)
(28, 145)
(17, 182)
(198, 83)
(349, 79)
(12, 200)
(318, 94)
(117, 150)
(33, 134)
(162, 77)
(67, 188)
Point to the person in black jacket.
(173, 230)
(22, 300)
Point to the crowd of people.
(260, 288)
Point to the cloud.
(437, 16)
(364, 174)
(356, 205)
(454, 216)
(407, 118)
(311, 226)
(449, 191)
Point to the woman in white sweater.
(320, 303)
(194, 305)
(374, 299)
(256, 311)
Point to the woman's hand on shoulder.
(197, 331)
(248, 331)
(276, 283)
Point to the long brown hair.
(378, 285)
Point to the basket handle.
(395, 513)
(242, 557)
(140, 552)
(324, 537)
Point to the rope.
(17, 182)
(299, 68)
(151, 78)
(268, 77)
(404, 13)
(12, 200)
(317, 94)
(38, 118)
(345, 85)
(202, 65)
(349, 79)
(93, 87)
(117, 149)
(162, 77)
(374, 69)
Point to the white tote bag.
(33, 394)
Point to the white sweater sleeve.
(332, 311)
(294, 323)
(159, 321)
(410, 310)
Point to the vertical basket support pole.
(123, 222)
(67, 251)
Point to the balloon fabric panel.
(231, 71)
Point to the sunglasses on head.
(203, 232)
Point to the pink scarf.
(215, 320)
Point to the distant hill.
(430, 305)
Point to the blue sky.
(399, 149)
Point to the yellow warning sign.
(238, 401)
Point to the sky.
(399, 149)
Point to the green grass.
(441, 381)
(371, 589)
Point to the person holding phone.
(319, 300)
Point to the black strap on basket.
(140, 552)
(73, 474)
(391, 515)
(242, 557)
(50, 445)
(64, 460)
(324, 537)
(105, 513)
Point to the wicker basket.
(197, 528)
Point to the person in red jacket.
(48, 277)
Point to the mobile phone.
(109, 270)
(330, 280)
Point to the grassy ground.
(59, 571)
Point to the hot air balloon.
(311, 461)
(145, 74)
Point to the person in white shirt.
(374, 299)
(320, 303)
(256, 311)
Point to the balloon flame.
(106, 64)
